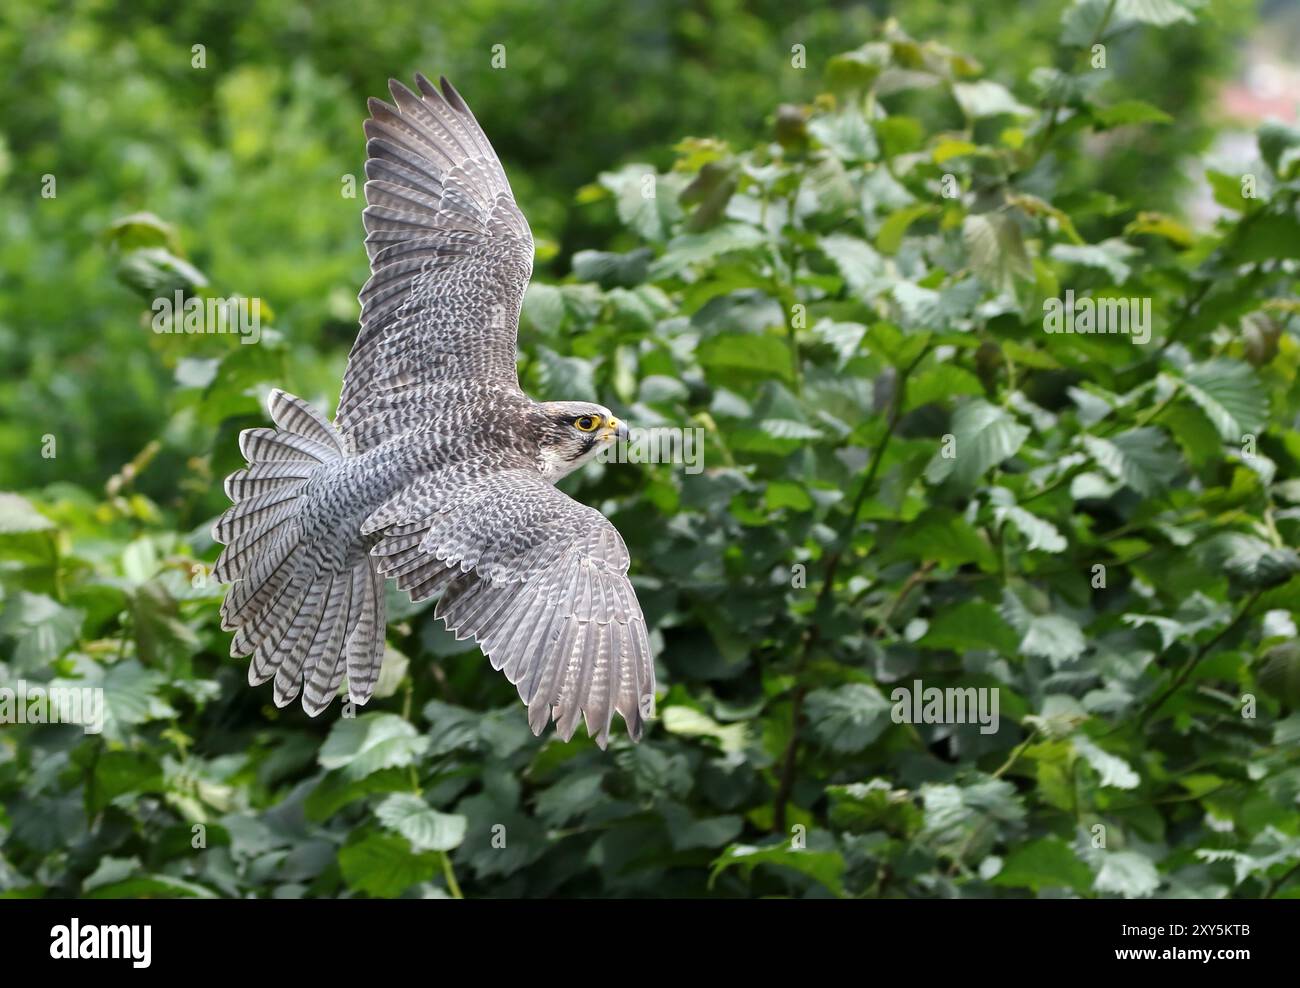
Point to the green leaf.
(1111, 256)
(848, 718)
(573, 376)
(155, 272)
(861, 807)
(942, 536)
(142, 230)
(825, 867)
(986, 98)
(335, 791)
(687, 832)
(543, 307)
(1160, 225)
(844, 337)
(160, 634)
(383, 865)
(1278, 146)
(41, 629)
(984, 435)
(947, 148)
(890, 236)
(1039, 533)
(1111, 769)
(695, 248)
(963, 820)
(856, 69)
(971, 624)
(1257, 563)
(646, 202)
(1231, 395)
(1053, 637)
(120, 772)
(790, 429)
(1127, 873)
(1195, 614)
(920, 307)
(361, 745)
(1279, 672)
(863, 269)
(1270, 853)
(572, 796)
(1140, 458)
(197, 372)
(1044, 863)
(766, 356)
(1270, 237)
(1159, 13)
(150, 886)
(1130, 111)
(787, 494)
(422, 825)
(1227, 191)
(18, 515)
(1083, 23)
(130, 696)
(846, 134)
(1260, 336)
(392, 671)
(689, 722)
(610, 269)
(997, 250)
(1193, 432)
(941, 384)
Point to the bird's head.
(572, 433)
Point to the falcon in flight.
(438, 471)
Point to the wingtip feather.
(450, 94)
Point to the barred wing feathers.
(540, 582)
(450, 257)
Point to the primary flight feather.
(438, 471)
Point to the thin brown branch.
(790, 758)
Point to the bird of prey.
(437, 471)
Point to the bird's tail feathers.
(303, 610)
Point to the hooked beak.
(615, 429)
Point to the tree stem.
(790, 758)
(1196, 658)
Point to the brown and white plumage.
(438, 471)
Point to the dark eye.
(587, 423)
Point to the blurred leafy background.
(803, 289)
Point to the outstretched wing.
(450, 256)
(539, 581)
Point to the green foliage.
(905, 479)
